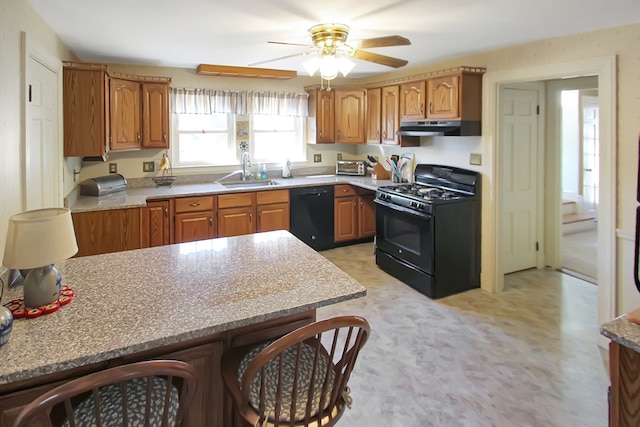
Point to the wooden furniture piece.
(194, 218)
(273, 210)
(322, 107)
(299, 379)
(107, 231)
(355, 215)
(155, 224)
(188, 302)
(158, 392)
(350, 115)
(412, 101)
(236, 214)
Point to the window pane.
(202, 122)
(203, 148)
(273, 122)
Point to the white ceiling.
(190, 32)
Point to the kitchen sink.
(249, 184)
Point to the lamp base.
(42, 286)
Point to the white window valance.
(209, 101)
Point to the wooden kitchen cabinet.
(139, 115)
(374, 115)
(412, 101)
(194, 218)
(155, 224)
(366, 213)
(350, 116)
(346, 213)
(455, 97)
(86, 110)
(273, 210)
(321, 106)
(106, 231)
(236, 214)
(624, 407)
(390, 114)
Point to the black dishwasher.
(312, 215)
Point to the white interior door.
(590, 153)
(42, 169)
(519, 153)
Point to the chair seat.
(302, 386)
(136, 391)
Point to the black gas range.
(428, 232)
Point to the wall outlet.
(113, 168)
(148, 166)
(475, 159)
(317, 158)
(339, 156)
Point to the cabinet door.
(236, 221)
(154, 224)
(350, 113)
(194, 226)
(155, 115)
(100, 232)
(374, 114)
(443, 96)
(346, 218)
(273, 217)
(86, 113)
(325, 116)
(126, 129)
(366, 216)
(390, 114)
(412, 98)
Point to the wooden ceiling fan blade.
(379, 59)
(381, 42)
(281, 57)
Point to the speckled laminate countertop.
(622, 331)
(127, 302)
(138, 196)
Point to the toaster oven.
(350, 167)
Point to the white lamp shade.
(38, 238)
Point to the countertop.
(622, 331)
(127, 302)
(135, 197)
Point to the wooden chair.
(152, 393)
(299, 379)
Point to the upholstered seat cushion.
(307, 356)
(111, 408)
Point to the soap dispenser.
(286, 169)
(263, 175)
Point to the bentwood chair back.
(152, 393)
(299, 379)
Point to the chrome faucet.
(246, 162)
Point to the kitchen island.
(624, 368)
(188, 301)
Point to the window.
(210, 140)
(203, 140)
(277, 138)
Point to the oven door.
(405, 234)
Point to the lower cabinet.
(100, 232)
(355, 214)
(273, 210)
(155, 224)
(194, 218)
(236, 214)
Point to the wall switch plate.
(475, 159)
(148, 166)
(339, 156)
(317, 158)
(113, 168)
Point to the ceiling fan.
(330, 43)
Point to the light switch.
(475, 159)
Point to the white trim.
(32, 49)
(625, 235)
(492, 279)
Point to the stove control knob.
(414, 205)
(420, 206)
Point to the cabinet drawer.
(274, 196)
(235, 200)
(343, 190)
(194, 204)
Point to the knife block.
(381, 172)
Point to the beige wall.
(17, 16)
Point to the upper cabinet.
(456, 96)
(105, 111)
(339, 116)
(390, 114)
(412, 101)
(86, 111)
(374, 114)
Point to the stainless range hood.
(440, 128)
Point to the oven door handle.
(402, 209)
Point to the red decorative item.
(19, 311)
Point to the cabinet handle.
(354, 203)
(138, 136)
(166, 212)
(422, 107)
(193, 205)
(345, 190)
(320, 133)
(250, 218)
(430, 111)
(338, 133)
(210, 221)
(384, 135)
(164, 137)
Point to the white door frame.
(492, 277)
(32, 49)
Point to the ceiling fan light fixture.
(312, 65)
(329, 67)
(345, 65)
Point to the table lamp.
(36, 240)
